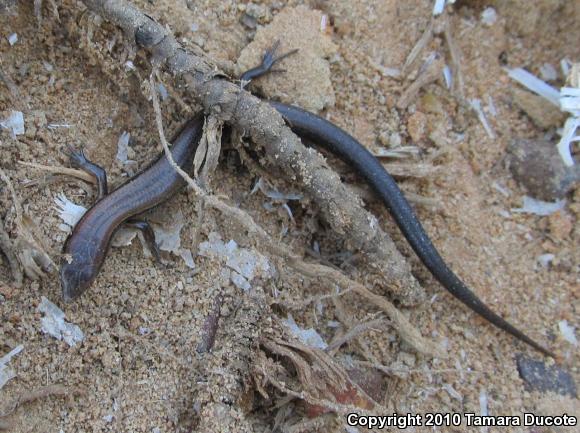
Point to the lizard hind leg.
(268, 61)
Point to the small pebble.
(560, 225)
(548, 72)
(536, 165)
(538, 376)
(249, 21)
(417, 126)
(489, 16)
(544, 114)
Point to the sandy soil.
(138, 368)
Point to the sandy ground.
(137, 367)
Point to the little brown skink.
(86, 247)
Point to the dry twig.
(29, 248)
(284, 151)
(354, 332)
(7, 247)
(210, 326)
(400, 322)
(37, 394)
(61, 170)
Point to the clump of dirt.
(305, 80)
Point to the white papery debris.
(489, 16)
(565, 66)
(123, 147)
(570, 102)
(12, 39)
(440, 5)
(323, 23)
(53, 323)
(273, 193)
(491, 106)
(539, 207)
(546, 259)
(240, 282)
(69, 212)
(168, 238)
(533, 83)
(452, 392)
(568, 136)
(501, 189)
(448, 76)
(163, 93)
(333, 324)
(59, 125)
(247, 263)
(14, 122)
(187, 257)
(277, 197)
(308, 337)
(387, 71)
(6, 372)
(476, 105)
(483, 410)
(567, 332)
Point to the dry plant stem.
(61, 170)
(347, 320)
(301, 305)
(15, 201)
(37, 394)
(354, 332)
(196, 230)
(29, 245)
(394, 371)
(13, 89)
(406, 330)
(210, 326)
(284, 151)
(38, 10)
(418, 48)
(455, 54)
(432, 74)
(412, 170)
(7, 247)
(317, 374)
